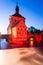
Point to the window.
(21, 28)
(18, 28)
(25, 28)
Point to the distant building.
(34, 30)
(31, 29)
(17, 27)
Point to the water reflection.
(3, 44)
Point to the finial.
(17, 9)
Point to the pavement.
(22, 56)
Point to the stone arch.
(33, 39)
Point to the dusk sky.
(32, 10)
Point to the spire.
(17, 9)
(17, 12)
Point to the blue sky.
(32, 10)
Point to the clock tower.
(17, 28)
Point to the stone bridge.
(4, 36)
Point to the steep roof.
(17, 12)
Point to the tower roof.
(17, 12)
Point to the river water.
(3, 44)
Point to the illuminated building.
(17, 28)
(18, 33)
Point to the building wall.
(9, 29)
(17, 29)
(14, 32)
(22, 31)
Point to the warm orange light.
(31, 39)
(31, 42)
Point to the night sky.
(32, 10)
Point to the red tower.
(17, 28)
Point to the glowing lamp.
(31, 42)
